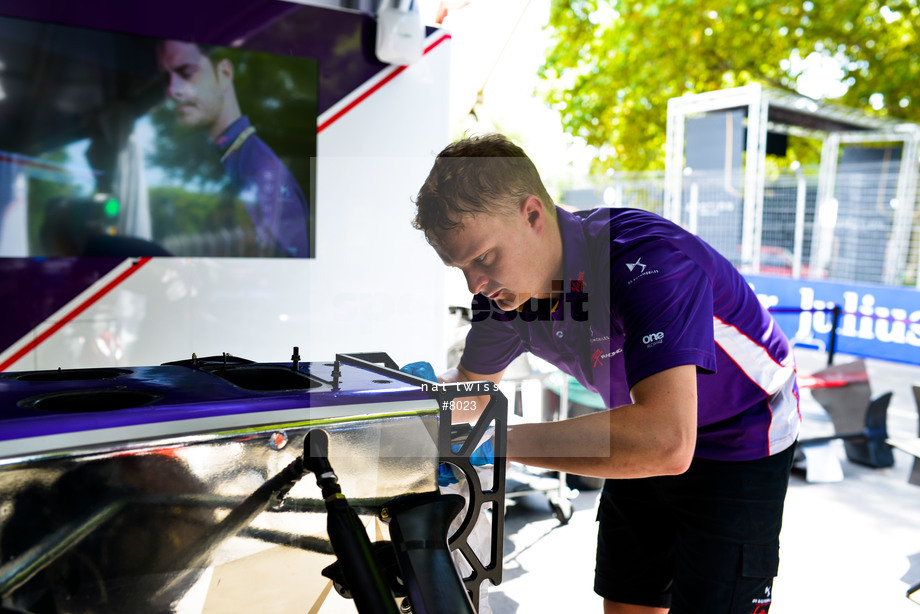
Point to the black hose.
(349, 540)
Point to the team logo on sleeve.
(637, 263)
(639, 267)
(653, 339)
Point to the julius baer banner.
(880, 322)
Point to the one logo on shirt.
(653, 339)
(638, 262)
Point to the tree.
(615, 64)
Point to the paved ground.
(848, 546)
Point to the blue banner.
(874, 321)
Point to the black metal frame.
(495, 412)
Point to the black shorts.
(704, 542)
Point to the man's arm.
(460, 374)
(655, 435)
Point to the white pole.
(798, 241)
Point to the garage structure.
(860, 214)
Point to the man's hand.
(483, 455)
(420, 369)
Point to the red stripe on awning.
(76, 311)
(374, 88)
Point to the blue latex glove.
(421, 369)
(424, 370)
(446, 475)
(483, 455)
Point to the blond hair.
(483, 174)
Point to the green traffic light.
(111, 207)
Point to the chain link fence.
(853, 235)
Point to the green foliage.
(176, 211)
(616, 63)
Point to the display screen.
(120, 145)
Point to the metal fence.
(856, 234)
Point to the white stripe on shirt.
(774, 378)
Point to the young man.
(205, 100)
(698, 441)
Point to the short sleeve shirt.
(273, 198)
(642, 295)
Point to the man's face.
(193, 83)
(502, 257)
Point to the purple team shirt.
(642, 295)
(272, 196)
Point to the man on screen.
(205, 99)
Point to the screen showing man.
(126, 145)
(201, 89)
